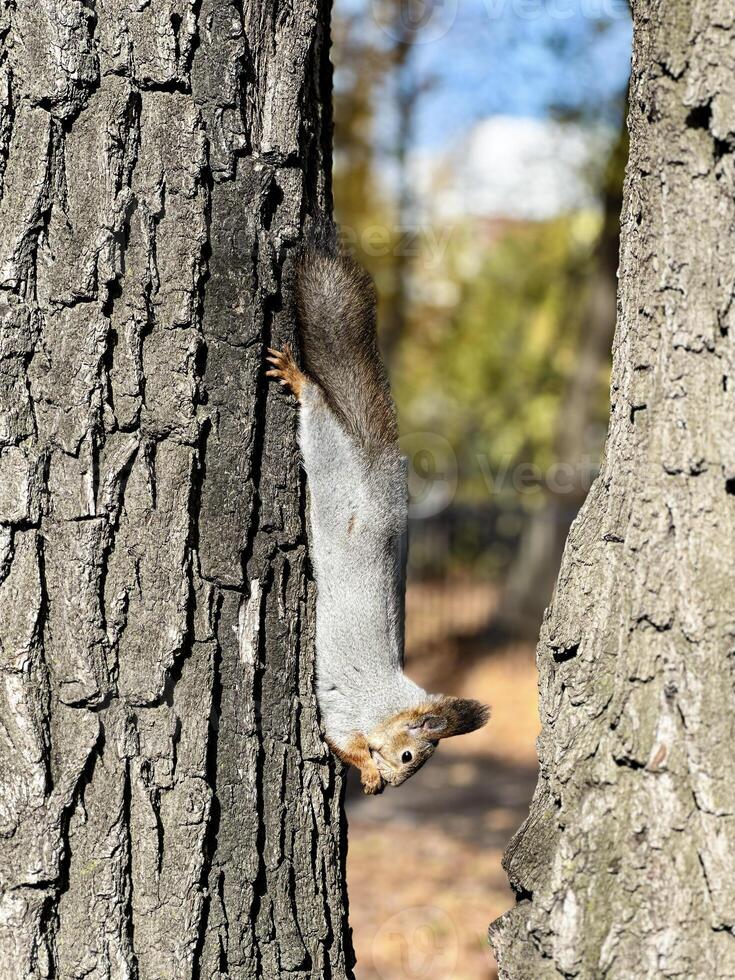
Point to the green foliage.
(489, 371)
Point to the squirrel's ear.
(431, 725)
(455, 716)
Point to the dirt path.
(424, 868)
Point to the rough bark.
(167, 807)
(624, 867)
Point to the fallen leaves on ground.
(424, 871)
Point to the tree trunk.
(532, 576)
(167, 806)
(625, 865)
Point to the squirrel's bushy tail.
(337, 312)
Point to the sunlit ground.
(424, 870)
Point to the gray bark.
(167, 806)
(625, 865)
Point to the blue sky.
(512, 57)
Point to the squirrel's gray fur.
(357, 480)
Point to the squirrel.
(374, 717)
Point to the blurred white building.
(510, 167)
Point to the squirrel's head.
(402, 744)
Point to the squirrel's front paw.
(372, 782)
(285, 369)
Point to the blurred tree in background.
(372, 67)
(580, 414)
(360, 69)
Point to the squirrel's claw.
(285, 369)
(372, 783)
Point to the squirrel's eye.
(406, 757)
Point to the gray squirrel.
(374, 717)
